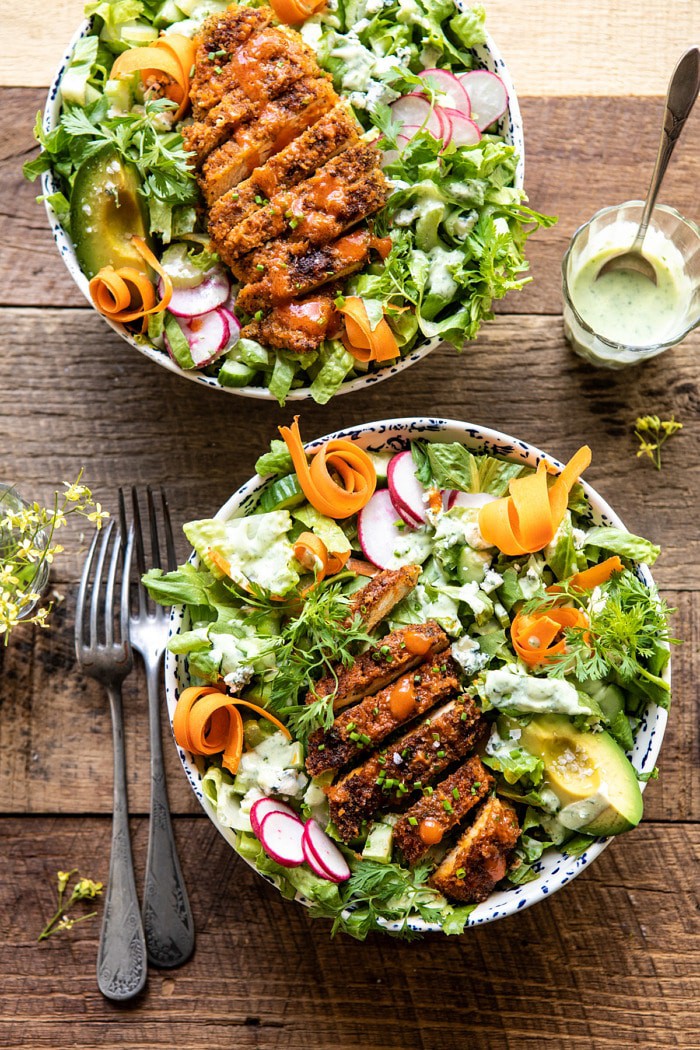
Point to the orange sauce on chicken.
(416, 643)
(430, 832)
(308, 316)
(402, 699)
(352, 248)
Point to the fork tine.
(109, 590)
(123, 528)
(169, 540)
(153, 523)
(126, 578)
(82, 595)
(97, 582)
(138, 548)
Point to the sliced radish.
(405, 488)
(281, 837)
(263, 806)
(488, 94)
(213, 291)
(453, 92)
(207, 335)
(234, 327)
(390, 155)
(468, 499)
(383, 542)
(323, 855)
(406, 516)
(464, 130)
(413, 111)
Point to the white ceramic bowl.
(554, 869)
(487, 57)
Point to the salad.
(287, 197)
(407, 674)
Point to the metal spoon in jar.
(683, 89)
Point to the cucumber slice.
(380, 462)
(282, 494)
(235, 373)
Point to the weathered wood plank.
(604, 48)
(264, 975)
(574, 166)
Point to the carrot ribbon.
(172, 54)
(292, 12)
(596, 575)
(538, 636)
(208, 722)
(350, 464)
(360, 340)
(312, 554)
(127, 294)
(527, 519)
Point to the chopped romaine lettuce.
(255, 549)
(617, 541)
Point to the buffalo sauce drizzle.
(402, 698)
(417, 643)
(430, 831)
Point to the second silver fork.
(167, 917)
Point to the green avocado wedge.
(105, 212)
(589, 773)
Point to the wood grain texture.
(605, 47)
(265, 975)
(574, 166)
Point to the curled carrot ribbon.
(352, 465)
(292, 12)
(208, 722)
(360, 340)
(172, 54)
(312, 554)
(127, 294)
(527, 519)
(538, 636)
(596, 575)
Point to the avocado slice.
(588, 772)
(105, 211)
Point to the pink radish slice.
(390, 155)
(406, 516)
(263, 806)
(234, 327)
(414, 112)
(464, 131)
(384, 542)
(207, 335)
(202, 298)
(405, 488)
(468, 499)
(281, 837)
(488, 95)
(323, 855)
(453, 92)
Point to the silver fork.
(103, 652)
(167, 918)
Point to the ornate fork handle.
(167, 918)
(121, 959)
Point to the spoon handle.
(683, 89)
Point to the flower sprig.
(28, 547)
(652, 433)
(84, 889)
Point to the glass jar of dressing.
(623, 318)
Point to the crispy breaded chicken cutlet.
(373, 602)
(370, 722)
(414, 760)
(451, 801)
(287, 180)
(470, 871)
(381, 664)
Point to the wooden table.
(610, 962)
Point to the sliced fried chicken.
(278, 123)
(332, 133)
(348, 188)
(369, 723)
(288, 271)
(445, 809)
(470, 871)
(381, 664)
(299, 326)
(376, 599)
(414, 760)
(221, 36)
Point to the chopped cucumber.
(472, 565)
(167, 13)
(379, 844)
(380, 462)
(236, 374)
(282, 494)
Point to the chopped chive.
(260, 267)
(447, 806)
(412, 821)
(321, 747)
(258, 315)
(455, 794)
(441, 753)
(460, 873)
(293, 223)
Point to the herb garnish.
(84, 889)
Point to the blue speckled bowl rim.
(487, 55)
(556, 869)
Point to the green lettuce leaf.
(336, 362)
(276, 461)
(617, 541)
